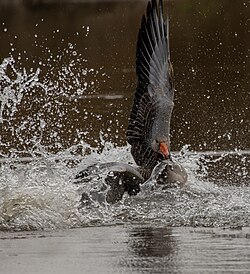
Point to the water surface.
(131, 249)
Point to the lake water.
(67, 80)
(130, 249)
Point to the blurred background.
(67, 73)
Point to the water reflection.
(132, 249)
(151, 248)
(148, 241)
(178, 250)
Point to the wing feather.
(153, 101)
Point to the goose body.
(148, 130)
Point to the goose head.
(161, 145)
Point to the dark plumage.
(149, 123)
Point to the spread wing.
(153, 101)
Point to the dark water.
(67, 79)
(85, 53)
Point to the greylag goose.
(149, 124)
(148, 131)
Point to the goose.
(148, 130)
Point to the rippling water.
(130, 249)
(66, 93)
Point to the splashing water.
(40, 195)
(14, 87)
(41, 154)
(36, 109)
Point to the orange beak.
(164, 150)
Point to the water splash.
(37, 108)
(41, 154)
(40, 195)
(14, 85)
